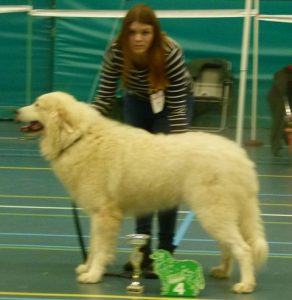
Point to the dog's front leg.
(83, 268)
(105, 227)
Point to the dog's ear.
(58, 122)
(63, 120)
(60, 133)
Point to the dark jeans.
(138, 113)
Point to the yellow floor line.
(49, 169)
(277, 176)
(92, 296)
(69, 198)
(25, 168)
(36, 197)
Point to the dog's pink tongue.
(32, 127)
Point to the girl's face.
(140, 37)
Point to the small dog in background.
(112, 170)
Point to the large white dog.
(113, 170)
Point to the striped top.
(180, 83)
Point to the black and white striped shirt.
(175, 94)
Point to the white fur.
(111, 170)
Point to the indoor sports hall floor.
(39, 248)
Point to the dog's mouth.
(32, 127)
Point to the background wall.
(67, 52)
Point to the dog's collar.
(69, 146)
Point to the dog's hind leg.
(105, 227)
(224, 269)
(227, 233)
(243, 253)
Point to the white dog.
(112, 170)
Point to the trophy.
(136, 257)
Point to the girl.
(157, 97)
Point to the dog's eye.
(36, 105)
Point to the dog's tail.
(253, 231)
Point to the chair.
(212, 91)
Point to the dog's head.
(59, 118)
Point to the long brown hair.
(156, 68)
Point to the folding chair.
(212, 91)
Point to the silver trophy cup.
(136, 257)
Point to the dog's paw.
(81, 269)
(219, 272)
(89, 277)
(241, 288)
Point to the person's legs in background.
(167, 218)
(138, 113)
(167, 223)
